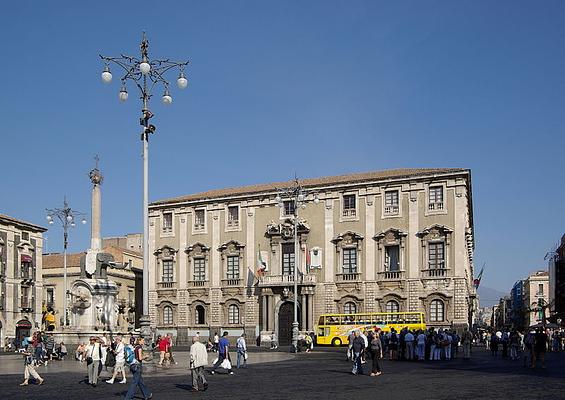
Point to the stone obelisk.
(95, 238)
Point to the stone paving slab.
(325, 374)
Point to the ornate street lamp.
(146, 74)
(297, 195)
(67, 217)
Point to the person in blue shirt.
(223, 354)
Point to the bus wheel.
(336, 342)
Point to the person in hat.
(93, 360)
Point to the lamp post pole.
(297, 194)
(145, 73)
(66, 216)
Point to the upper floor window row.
(392, 206)
(167, 222)
(349, 206)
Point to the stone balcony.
(435, 273)
(391, 275)
(166, 285)
(350, 277)
(286, 280)
(232, 282)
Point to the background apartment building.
(21, 245)
(398, 240)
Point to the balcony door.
(287, 250)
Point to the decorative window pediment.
(231, 247)
(165, 252)
(285, 229)
(390, 236)
(435, 231)
(348, 239)
(197, 249)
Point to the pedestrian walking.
(540, 347)
(49, 347)
(198, 360)
(120, 360)
(241, 346)
(29, 368)
(376, 351)
(135, 365)
(223, 354)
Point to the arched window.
(167, 315)
(350, 308)
(437, 311)
(200, 315)
(392, 306)
(233, 314)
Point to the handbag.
(245, 356)
(88, 360)
(226, 364)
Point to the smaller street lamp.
(67, 217)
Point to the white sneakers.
(111, 381)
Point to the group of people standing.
(434, 345)
(531, 346)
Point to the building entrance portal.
(286, 317)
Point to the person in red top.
(164, 346)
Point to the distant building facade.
(556, 268)
(398, 240)
(21, 245)
(536, 290)
(53, 283)
(518, 308)
(131, 241)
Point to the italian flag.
(261, 264)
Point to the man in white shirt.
(241, 350)
(93, 360)
(120, 361)
(198, 360)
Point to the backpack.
(129, 354)
(393, 338)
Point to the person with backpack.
(119, 352)
(376, 351)
(134, 361)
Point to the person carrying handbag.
(223, 355)
(93, 359)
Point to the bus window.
(321, 331)
(322, 321)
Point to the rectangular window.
(50, 297)
(288, 258)
(26, 272)
(540, 289)
(435, 198)
(131, 297)
(392, 258)
(233, 216)
(167, 222)
(349, 206)
(233, 267)
(349, 261)
(25, 303)
(288, 208)
(199, 269)
(436, 255)
(167, 271)
(25, 236)
(391, 202)
(199, 220)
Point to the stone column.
(264, 317)
(303, 313)
(95, 238)
(311, 312)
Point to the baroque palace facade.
(396, 240)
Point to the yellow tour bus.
(335, 329)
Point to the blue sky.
(277, 88)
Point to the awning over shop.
(23, 323)
(26, 258)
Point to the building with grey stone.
(396, 240)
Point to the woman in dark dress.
(376, 351)
(494, 344)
